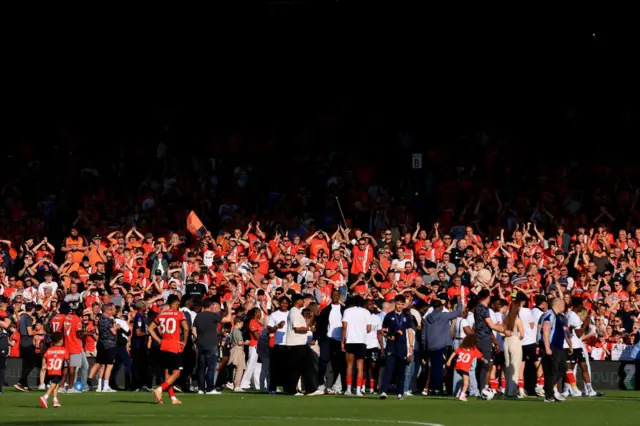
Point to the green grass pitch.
(118, 409)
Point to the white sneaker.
(99, 390)
(322, 388)
(42, 387)
(63, 390)
(400, 397)
(213, 392)
(576, 394)
(540, 391)
(238, 390)
(358, 393)
(408, 393)
(559, 397)
(318, 392)
(72, 390)
(383, 395)
(200, 392)
(348, 393)
(108, 390)
(522, 393)
(229, 386)
(299, 394)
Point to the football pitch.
(118, 409)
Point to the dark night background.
(280, 86)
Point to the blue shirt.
(393, 323)
(139, 323)
(556, 338)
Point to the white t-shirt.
(537, 314)
(471, 319)
(459, 326)
(334, 331)
(497, 318)
(372, 336)
(52, 285)
(574, 322)
(399, 264)
(296, 320)
(281, 334)
(357, 319)
(530, 334)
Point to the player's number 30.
(168, 325)
(54, 364)
(464, 358)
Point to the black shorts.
(55, 380)
(462, 372)
(373, 355)
(171, 361)
(530, 353)
(359, 350)
(106, 356)
(576, 357)
(498, 359)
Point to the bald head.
(558, 304)
(387, 307)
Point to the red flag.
(194, 224)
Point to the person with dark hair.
(356, 323)
(329, 331)
(435, 339)
(279, 360)
(300, 357)
(171, 331)
(206, 332)
(395, 328)
(252, 372)
(53, 362)
(27, 348)
(484, 327)
(5, 323)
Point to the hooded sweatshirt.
(435, 329)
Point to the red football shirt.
(55, 356)
(72, 324)
(57, 323)
(169, 326)
(466, 357)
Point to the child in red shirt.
(466, 353)
(53, 362)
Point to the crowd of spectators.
(103, 234)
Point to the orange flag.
(194, 225)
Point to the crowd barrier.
(605, 375)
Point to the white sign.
(416, 161)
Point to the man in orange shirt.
(319, 240)
(75, 244)
(73, 343)
(166, 331)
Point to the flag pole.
(341, 214)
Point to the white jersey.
(281, 334)
(498, 318)
(372, 336)
(357, 320)
(530, 333)
(573, 322)
(471, 319)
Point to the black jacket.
(322, 322)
